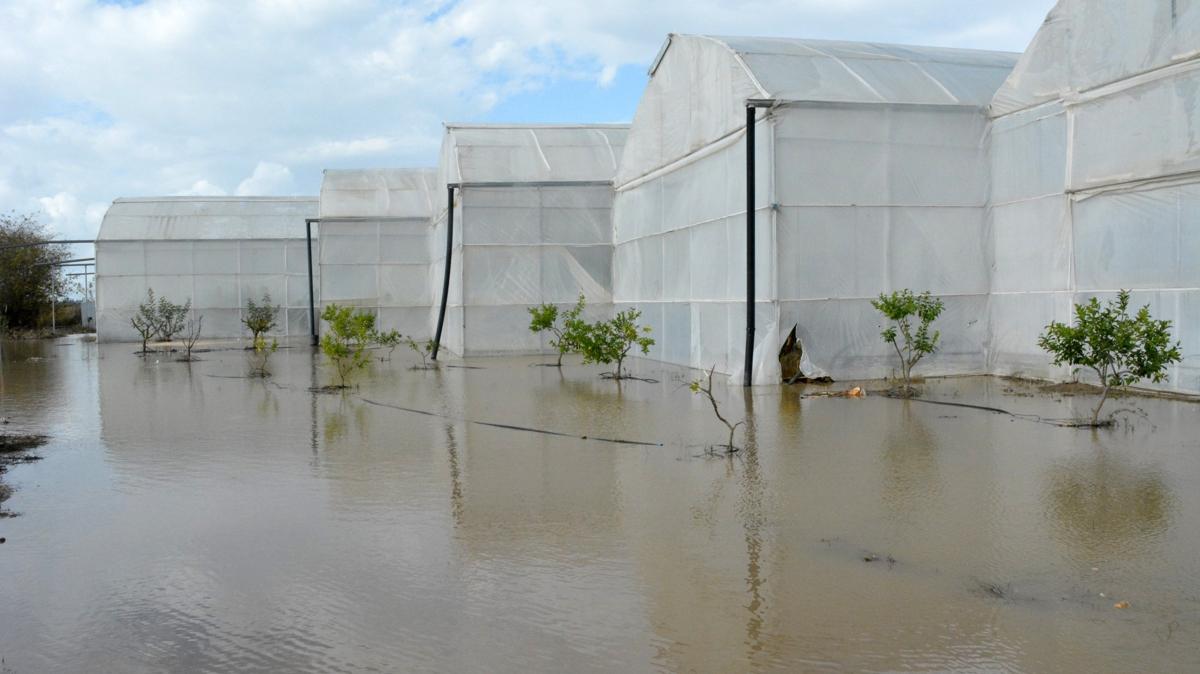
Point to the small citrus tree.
(424, 350)
(902, 308)
(611, 341)
(389, 340)
(1121, 349)
(346, 341)
(259, 318)
(565, 333)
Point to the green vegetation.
(423, 349)
(28, 278)
(346, 341)
(901, 308)
(145, 321)
(565, 332)
(171, 318)
(611, 341)
(389, 340)
(259, 317)
(262, 354)
(703, 386)
(1121, 350)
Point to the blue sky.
(107, 98)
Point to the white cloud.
(170, 97)
(267, 180)
(202, 188)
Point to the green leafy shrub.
(145, 321)
(1121, 349)
(346, 341)
(703, 386)
(611, 341)
(191, 334)
(423, 349)
(172, 318)
(389, 340)
(902, 308)
(565, 333)
(259, 318)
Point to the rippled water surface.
(187, 518)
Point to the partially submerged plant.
(423, 349)
(262, 353)
(565, 333)
(902, 308)
(347, 339)
(1121, 350)
(389, 340)
(704, 386)
(171, 318)
(191, 334)
(145, 321)
(259, 318)
(611, 341)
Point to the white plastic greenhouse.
(1009, 185)
(533, 225)
(215, 251)
(1096, 176)
(871, 175)
(376, 246)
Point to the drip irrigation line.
(996, 410)
(512, 427)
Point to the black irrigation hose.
(995, 410)
(512, 427)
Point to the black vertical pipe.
(437, 338)
(312, 306)
(749, 365)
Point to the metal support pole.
(312, 306)
(749, 365)
(437, 338)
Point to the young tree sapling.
(1121, 349)
(565, 333)
(259, 318)
(145, 321)
(347, 339)
(704, 386)
(611, 341)
(901, 307)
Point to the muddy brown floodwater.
(185, 518)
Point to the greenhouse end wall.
(216, 252)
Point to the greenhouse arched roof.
(529, 153)
(699, 85)
(198, 218)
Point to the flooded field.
(184, 517)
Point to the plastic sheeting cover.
(379, 193)
(530, 153)
(194, 218)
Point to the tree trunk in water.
(1096, 412)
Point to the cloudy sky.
(107, 98)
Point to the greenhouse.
(1096, 177)
(217, 252)
(870, 175)
(375, 245)
(532, 212)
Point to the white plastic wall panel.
(1139, 239)
(207, 218)
(207, 272)
(881, 156)
(1139, 133)
(1015, 321)
(1031, 245)
(1028, 154)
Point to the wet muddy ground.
(485, 518)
